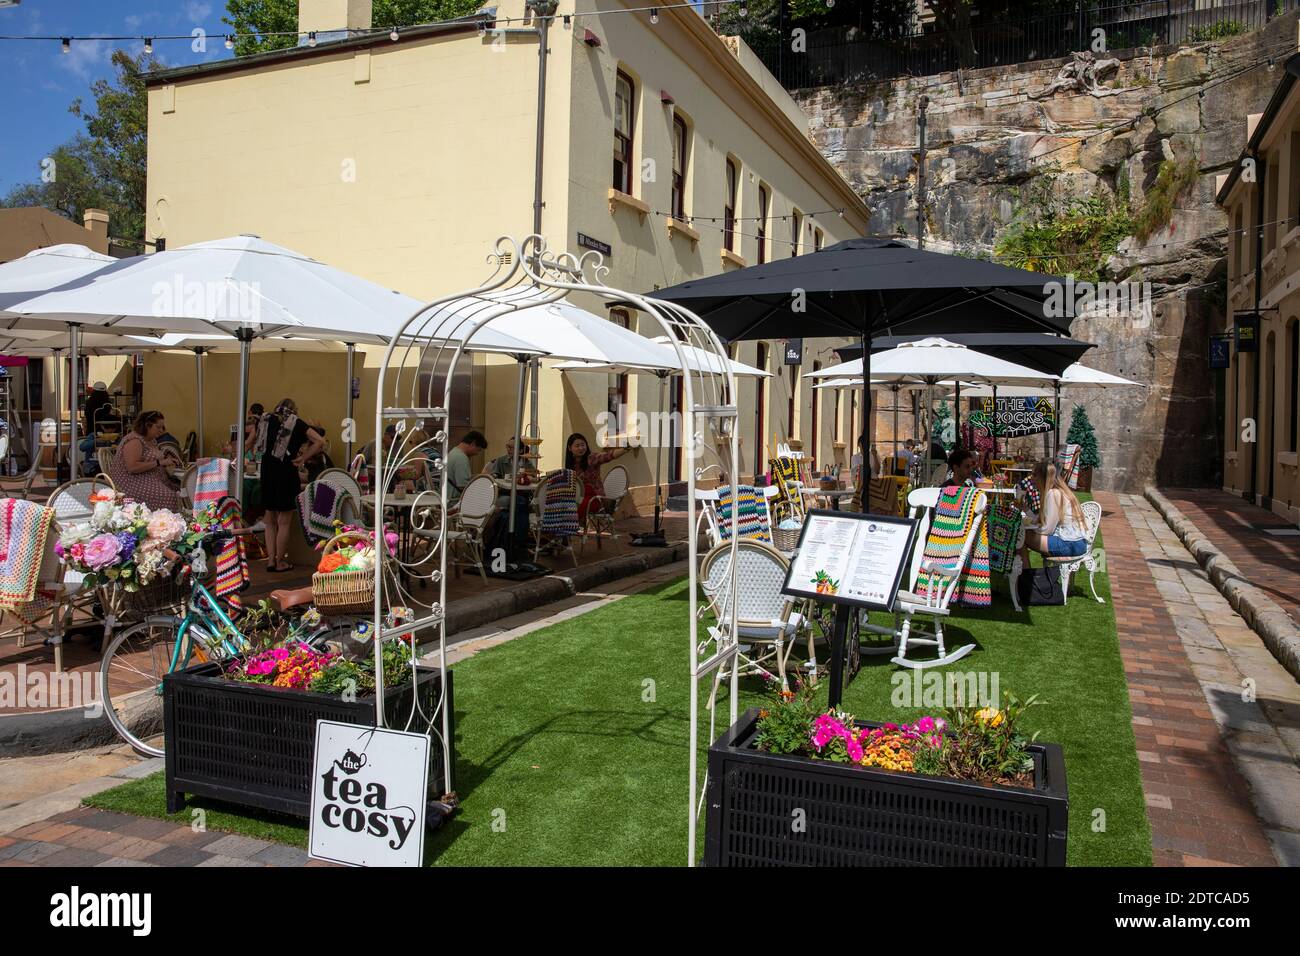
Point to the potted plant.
(792, 785)
(244, 731)
(1081, 433)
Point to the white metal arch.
(433, 341)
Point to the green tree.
(1081, 433)
(252, 19)
(103, 168)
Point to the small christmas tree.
(1082, 434)
(944, 426)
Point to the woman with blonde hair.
(1061, 532)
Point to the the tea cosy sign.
(369, 789)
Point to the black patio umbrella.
(869, 287)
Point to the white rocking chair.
(941, 584)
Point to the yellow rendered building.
(403, 160)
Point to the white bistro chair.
(764, 616)
(1091, 558)
(467, 532)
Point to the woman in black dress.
(283, 443)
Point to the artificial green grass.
(572, 740)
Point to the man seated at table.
(502, 466)
(459, 472)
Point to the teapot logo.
(351, 762)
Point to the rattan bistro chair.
(603, 508)
(764, 616)
(467, 533)
(20, 485)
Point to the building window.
(624, 117)
(729, 210)
(617, 402)
(818, 236)
(679, 167)
(796, 224)
(764, 201)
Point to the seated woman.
(579, 458)
(140, 469)
(961, 468)
(1061, 532)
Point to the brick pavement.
(90, 837)
(1198, 803)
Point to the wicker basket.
(786, 539)
(162, 595)
(344, 592)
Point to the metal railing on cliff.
(848, 55)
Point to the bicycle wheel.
(131, 674)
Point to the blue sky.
(38, 82)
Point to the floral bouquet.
(126, 543)
(355, 554)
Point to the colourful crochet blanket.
(318, 509)
(232, 559)
(789, 499)
(1004, 520)
(559, 517)
(1033, 501)
(20, 567)
(751, 516)
(1068, 463)
(954, 516)
(211, 482)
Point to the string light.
(394, 35)
(148, 46)
(654, 14)
(67, 45)
(230, 41)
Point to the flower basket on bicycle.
(344, 582)
(165, 593)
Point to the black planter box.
(858, 816)
(252, 745)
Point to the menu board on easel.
(855, 559)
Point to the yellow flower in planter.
(990, 715)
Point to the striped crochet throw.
(211, 482)
(954, 516)
(560, 506)
(20, 568)
(789, 499)
(751, 519)
(1068, 462)
(318, 509)
(232, 560)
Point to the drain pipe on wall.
(544, 11)
(1260, 174)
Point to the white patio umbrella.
(35, 272)
(933, 360)
(696, 360)
(558, 330)
(242, 286)
(1075, 376)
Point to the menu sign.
(855, 559)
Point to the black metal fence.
(846, 55)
